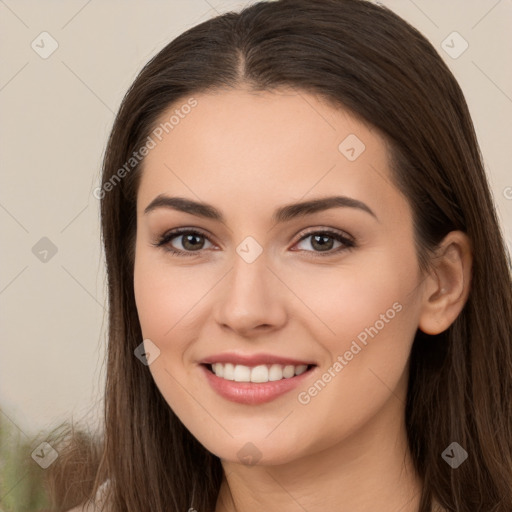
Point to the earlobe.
(446, 288)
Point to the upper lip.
(253, 359)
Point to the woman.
(340, 336)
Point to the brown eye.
(191, 242)
(323, 242)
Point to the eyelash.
(348, 243)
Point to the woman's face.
(268, 280)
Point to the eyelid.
(324, 229)
(167, 236)
(347, 240)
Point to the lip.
(253, 359)
(252, 393)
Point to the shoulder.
(93, 507)
(89, 507)
(84, 508)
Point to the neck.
(367, 471)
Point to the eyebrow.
(282, 214)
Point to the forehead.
(260, 147)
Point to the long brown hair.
(364, 58)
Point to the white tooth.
(301, 369)
(242, 373)
(259, 374)
(289, 371)
(229, 371)
(218, 369)
(275, 372)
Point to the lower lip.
(252, 393)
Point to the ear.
(446, 287)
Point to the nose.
(251, 299)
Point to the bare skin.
(248, 154)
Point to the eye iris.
(186, 240)
(323, 246)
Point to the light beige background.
(56, 115)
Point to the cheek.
(170, 299)
(165, 298)
(371, 314)
(163, 294)
(369, 317)
(374, 290)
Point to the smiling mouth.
(257, 374)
